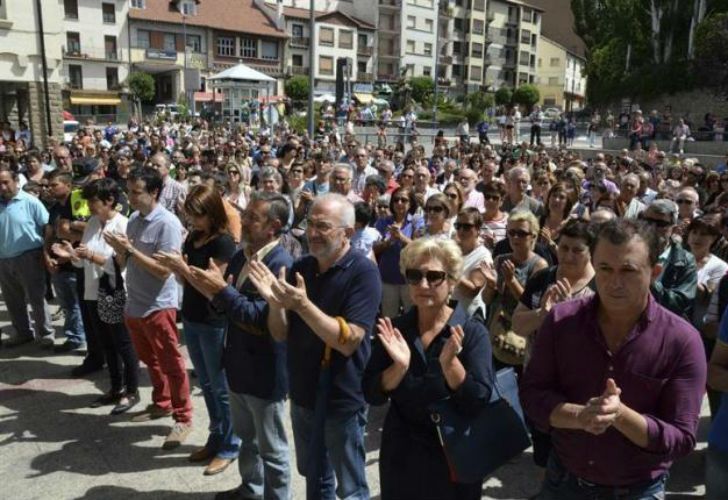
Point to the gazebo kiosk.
(240, 86)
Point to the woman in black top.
(204, 327)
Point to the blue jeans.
(716, 474)
(560, 484)
(65, 285)
(264, 461)
(205, 345)
(344, 441)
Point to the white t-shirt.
(470, 262)
(711, 273)
(364, 239)
(94, 241)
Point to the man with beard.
(255, 364)
(326, 310)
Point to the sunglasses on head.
(466, 226)
(518, 233)
(434, 278)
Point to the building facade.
(95, 59)
(22, 95)
(561, 80)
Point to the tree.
(711, 58)
(422, 88)
(297, 88)
(141, 87)
(480, 101)
(503, 96)
(526, 95)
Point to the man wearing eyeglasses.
(362, 170)
(325, 310)
(341, 182)
(473, 198)
(675, 286)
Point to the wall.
(696, 103)
(423, 10)
(548, 50)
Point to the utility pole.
(437, 58)
(44, 66)
(311, 61)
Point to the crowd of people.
(336, 274)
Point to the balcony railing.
(388, 77)
(364, 77)
(390, 4)
(93, 53)
(388, 55)
(364, 50)
(446, 59)
(298, 70)
(300, 41)
(445, 10)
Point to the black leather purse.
(477, 445)
(111, 299)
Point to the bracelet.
(344, 330)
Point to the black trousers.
(536, 134)
(94, 349)
(118, 349)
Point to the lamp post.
(440, 3)
(311, 61)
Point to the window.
(525, 36)
(112, 78)
(476, 73)
(270, 50)
(326, 37)
(532, 61)
(428, 25)
(70, 8)
(297, 59)
(555, 61)
(194, 43)
(75, 76)
(478, 26)
(479, 5)
(410, 47)
(225, 46)
(476, 50)
(362, 41)
(297, 30)
(189, 8)
(137, 4)
(326, 64)
(249, 48)
(457, 70)
(533, 40)
(346, 39)
(457, 48)
(428, 49)
(361, 67)
(459, 24)
(527, 15)
(427, 71)
(108, 13)
(411, 22)
(143, 39)
(170, 42)
(553, 80)
(3, 14)
(73, 42)
(110, 48)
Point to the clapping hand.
(83, 252)
(118, 241)
(491, 278)
(558, 292)
(453, 346)
(64, 250)
(208, 281)
(393, 343)
(174, 261)
(509, 270)
(601, 412)
(277, 291)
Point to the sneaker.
(234, 494)
(109, 398)
(86, 369)
(17, 341)
(151, 412)
(46, 342)
(177, 436)
(68, 347)
(126, 403)
(57, 316)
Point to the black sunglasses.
(434, 208)
(434, 278)
(656, 222)
(464, 225)
(518, 233)
(684, 201)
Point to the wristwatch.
(129, 252)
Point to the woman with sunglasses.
(505, 280)
(494, 219)
(236, 189)
(455, 196)
(429, 353)
(437, 212)
(397, 232)
(467, 292)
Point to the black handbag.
(477, 445)
(111, 299)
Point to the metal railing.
(298, 70)
(300, 41)
(364, 50)
(87, 52)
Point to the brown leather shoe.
(201, 455)
(217, 465)
(151, 412)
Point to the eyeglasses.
(656, 222)
(296, 171)
(342, 179)
(684, 201)
(518, 233)
(434, 208)
(465, 226)
(434, 278)
(321, 226)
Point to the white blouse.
(94, 241)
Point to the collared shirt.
(476, 200)
(660, 368)
(358, 180)
(172, 193)
(159, 231)
(352, 289)
(257, 256)
(22, 219)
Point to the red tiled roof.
(230, 15)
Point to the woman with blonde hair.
(237, 190)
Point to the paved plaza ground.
(52, 445)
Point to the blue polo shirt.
(22, 219)
(352, 289)
(158, 231)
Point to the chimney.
(280, 22)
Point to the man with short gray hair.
(517, 181)
(676, 284)
(340, 181)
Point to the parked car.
(551, 113)
(70, 129)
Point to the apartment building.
(205, 37)
(514, 33)
(22, 94)
(95, 59)
(463, 42)
(561, 80)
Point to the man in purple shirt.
(616, 378)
